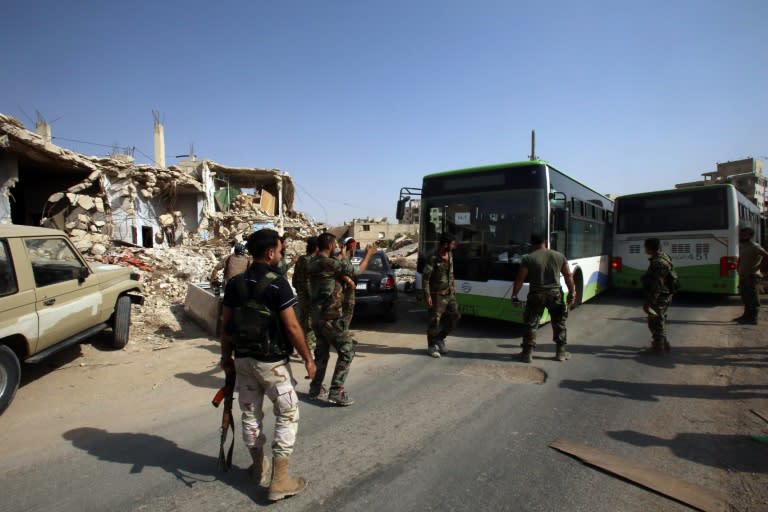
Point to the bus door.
(558, 222)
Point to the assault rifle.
(227, 421)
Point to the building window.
(366, 227)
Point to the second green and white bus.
(493, 210)
(698, 228)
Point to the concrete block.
(203, 307)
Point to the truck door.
(17, 296)
(67, 293)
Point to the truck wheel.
(10, 373)
(121, 325)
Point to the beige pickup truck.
(50, 298)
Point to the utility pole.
(533, 156)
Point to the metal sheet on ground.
(762, 414)
(679, 490)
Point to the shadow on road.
(145, 450)
(752, 357)
(213, 378)
(651, 392)
(61, 360)
(728, 452)
(615, 297)
(644, 320)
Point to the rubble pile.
(83, 213)
(406, 256)
(246, 217)
(166, 272)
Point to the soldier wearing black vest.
(258, 353)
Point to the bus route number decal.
(462, 218)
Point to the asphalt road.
(469, 431)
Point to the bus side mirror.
(400, 213)
(557, 200)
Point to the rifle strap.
(242, 286)
(225, 460)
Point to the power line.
(85, 142)
(127, 149)
(315, 200)
(151, 159)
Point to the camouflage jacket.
(283, 266)
(300, 279)
(655, 278)
(326, 292)
(437, 276)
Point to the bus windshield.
(686, 210)
(492, 229)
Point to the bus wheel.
(579, 282)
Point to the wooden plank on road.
(645, 476)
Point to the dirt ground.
(153, 372)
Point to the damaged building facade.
(98, 201)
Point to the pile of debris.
(238, 223)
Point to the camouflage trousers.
(255, 380)
(657, 317)
(748, 290)
(443, 317)
(348, 305)
(304, 320)
(554, 301)
(332, 333)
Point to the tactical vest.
(256, 331)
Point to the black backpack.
(256, 332)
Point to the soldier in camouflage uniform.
(657, 293)
(440, 295)
(751, 257)
(300, 282)
(283, 266)
(348, 301)
(541, 268)
(266, 375)
(348, 304)
(327, 277)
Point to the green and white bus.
(493, 210)
(698, 227)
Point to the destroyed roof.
(248, 176)
(33, 146)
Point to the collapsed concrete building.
(103, 200)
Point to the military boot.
(284, 485)
(526, 355)
(341, 398)
(562, 354)
(749, 317)
(657, 347)
(259, 470)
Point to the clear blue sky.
(358, 98)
